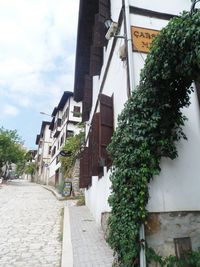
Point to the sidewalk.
(86, 245)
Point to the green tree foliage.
(148, 129)
(11, 150)
(22, 165)
(72, 148)
(30, 168)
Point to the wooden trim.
(151, 13)
(197, 85)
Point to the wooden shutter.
(94, 144)
(96, 60)
(87, 98)
(104, 10)
(182, 246)
(106, 126)
(85, 175)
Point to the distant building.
(66, 116)
(43, 141)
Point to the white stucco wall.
(170, 6)
(176, 188)
(97, 196)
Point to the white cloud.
(37, 44)
(33, 34)
(10, 110)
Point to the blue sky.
(37, 55)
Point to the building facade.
(107, 70)
(43, 140)
(66, 117)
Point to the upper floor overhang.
(88, 10)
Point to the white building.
(105, 75)
(66, 116)
(43, 141)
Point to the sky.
(37, 58)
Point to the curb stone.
(67, 250)
(54, 192)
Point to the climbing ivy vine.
(149, 128)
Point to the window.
(39, 158)
(58, 122)
(40, 144)
(106, 126)
(182, 246)
(85, 174)
(53, 151)
(77, 111)
(69, 133)
(66, 112)
(101, 131)
(49, 150)
(57, 159)
(62, 140)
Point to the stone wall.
(75, 178)
(162, 228)
(104, 223)
(51, 180)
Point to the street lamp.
(43, 113)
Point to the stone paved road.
(29, 226)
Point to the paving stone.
(30, 226)
(89, 246)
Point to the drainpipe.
(142, 247)
(131, 87)
(129, 52)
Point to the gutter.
(128, 42)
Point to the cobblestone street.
(29, 226)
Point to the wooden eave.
(37, 139)
(87, 11)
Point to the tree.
(22, 165)
(11, 150)
(31, 168)
(72, 148)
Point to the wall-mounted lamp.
(64, 153)
(193, 9)
(108, 23)
(112, 29)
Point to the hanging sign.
(142, 38)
